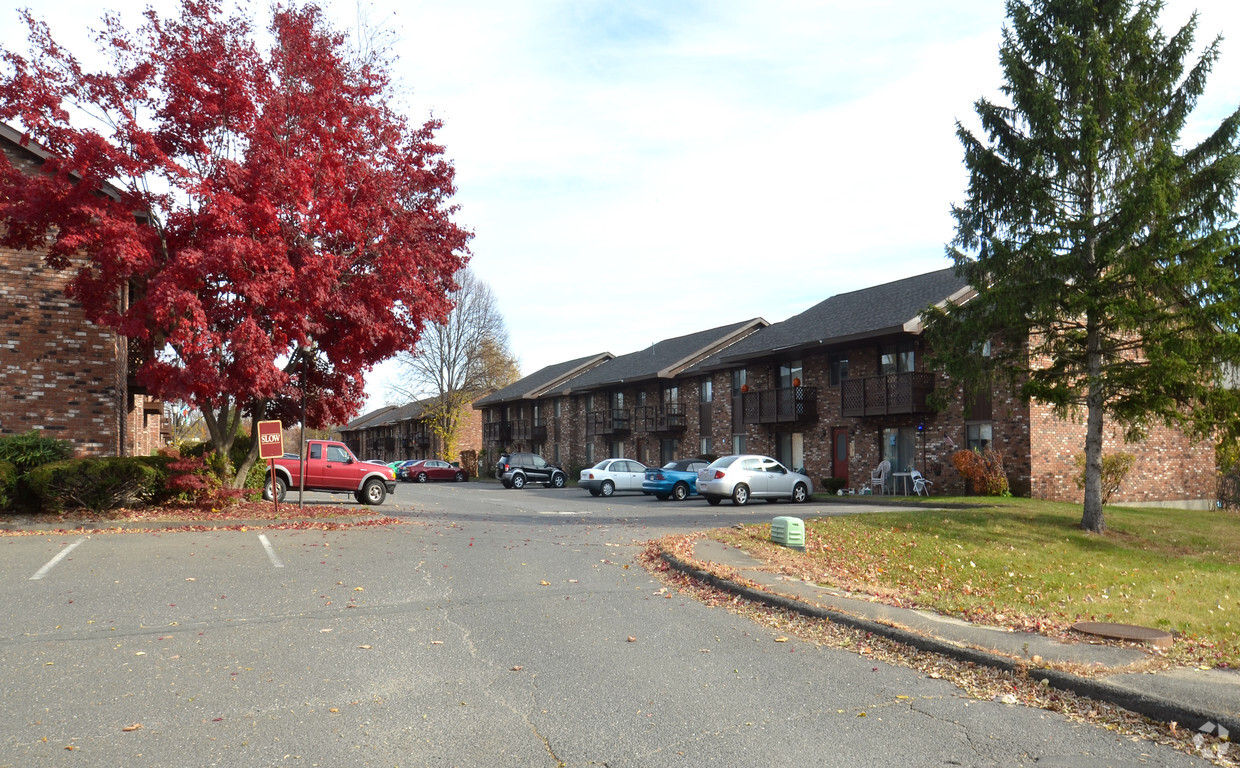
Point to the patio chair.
(920, 483)
(878, 477)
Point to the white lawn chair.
(878, 477)
(920, 483)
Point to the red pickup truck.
(333, 467)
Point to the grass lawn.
(1027, 564)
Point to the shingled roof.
(662, 360)
(537, 383)
(874, 312)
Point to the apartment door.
(839, 453)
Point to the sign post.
(271, 447)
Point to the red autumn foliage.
(250, 209)
(984, 470)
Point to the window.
(538, 415)
(337, 454)
(667, 451)
(790, 449)
(900, 447)
(617, 447)
(979, 436)
(558, 407)
(316, 450)
(590, 402)
(788, 373)
(706, 445)
(617, 399)
(671, 395)
(738, 443)
(839, 368)
(708, 390)
(641, 397)
(739, 379)
(896, 358)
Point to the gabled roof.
(881, 310)
(388, 414)
(363, 421)
(663, 360)
(536, 384)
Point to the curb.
(157, 525)
(1149, 706)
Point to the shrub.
(8, 483)
(984, 471)
(97, 483)
(832, 485)
(30, 449)
(1115, 467)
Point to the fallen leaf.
(518, 668)
(70, 747)
(436, 642)
(358, 589)
(544, 583)
(364, 647)
(133, 727)
(781, 639)
(861, 714)
(632, 639)
(333, 709)
(324, 630)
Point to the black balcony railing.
(497, 432)
(893, 393)
(538, 433)
(669, 417)
(786, 405)
(613, 421)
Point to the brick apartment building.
(835, 389)
(395, 433)
(59, 373)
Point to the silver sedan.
(759, 477)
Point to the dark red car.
(434, 469)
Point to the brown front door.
(839, 453)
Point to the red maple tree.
(251, 218)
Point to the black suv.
(514, 470)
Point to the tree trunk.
(1091, 518)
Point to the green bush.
(1115, 467)
(30, 449)
(97, 483)
(8, 483)
(832, 485)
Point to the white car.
(611, 475)
(758, 477)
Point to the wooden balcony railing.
(669, 417)
(613, 421)
(786, 405)
(893, 393)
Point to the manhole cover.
(1129, 632)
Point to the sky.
(637, 171)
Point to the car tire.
(740, 495)
(422, 478)
(557, 480)
(712, 500)
(680, 491)
(373, 493)
(460, 477)
(607, 488)
(800, 494)
(281, 489)
(518, 481)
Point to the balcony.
(613, 421)
(669, 417)
(497, 432)
(786, 405)
(417, 440)
(538, 433)
(894, 393)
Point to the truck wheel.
(281, 489)
(374, 492)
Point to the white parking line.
(271, 552)
(52, 563)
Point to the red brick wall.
(58, 373)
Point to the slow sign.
(270, 440)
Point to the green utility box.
(789, 531)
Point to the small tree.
(1115, 467)
(458, 360)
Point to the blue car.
(674, 480)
